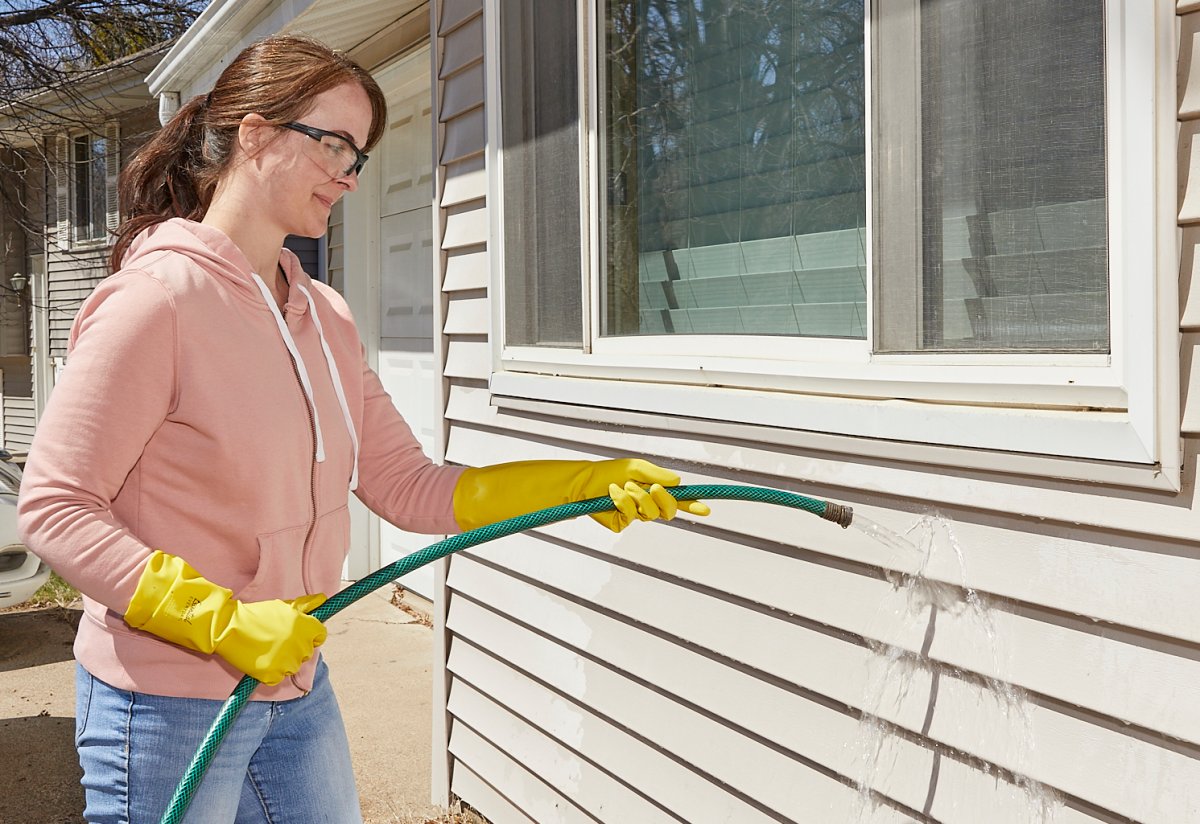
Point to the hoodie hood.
(214, 252)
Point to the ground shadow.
(36, 637)
(40, 778)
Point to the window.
(1006, 102)
(542, 141)
(84, 180)
(842, 202)
(735, 139)
(89, 188)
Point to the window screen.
(540, 113)
(90, 182)
(1014, 245)
(735, 168)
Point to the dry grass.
(458, 814)
(417, 612)
(54, 593)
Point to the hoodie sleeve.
(116, 390)
(396, 479)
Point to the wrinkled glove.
(485, 495)
(268, 640)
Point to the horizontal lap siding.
(71, 277)
(18, 404)
(762, 664)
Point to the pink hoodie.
(194, 418)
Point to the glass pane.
(99, 187)
(734, 158)
(540, 114)
(1015, 242)
(81, 155)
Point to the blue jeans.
(283, 762)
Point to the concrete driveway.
(380, 660)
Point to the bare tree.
(65, 66)
(48, 44)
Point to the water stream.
(900, 674)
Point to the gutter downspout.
(168, 104)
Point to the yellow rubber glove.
(266, 639)
(485, 495)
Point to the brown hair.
(176, 172)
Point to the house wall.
(73, 271)
(1034, 658)
(18, 403)
(17, 388)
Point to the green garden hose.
(837, 513)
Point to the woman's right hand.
(268, 640)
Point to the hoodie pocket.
(327, 552)
(280, 572)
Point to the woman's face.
(300, 177)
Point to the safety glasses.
(337, 155)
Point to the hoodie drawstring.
(290, 343)
(336, 378)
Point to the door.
(406, 288)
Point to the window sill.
(88, 245)
(1090, 447)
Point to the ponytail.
(170, 176)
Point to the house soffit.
(225, 26)
(109, 93)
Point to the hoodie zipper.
(312, 487)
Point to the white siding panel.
(1103, 670)
(629, 760)
(592, 789)
(1189, 366)
(457, 12)
(465, 180)
(462, 46)
(1139, 583)
(523, 782)
(1065, 751)
(500, 811)
(468, 359)
(1189, 171)
(464, 136)
(466, 226)
(468, 316)
(1075, 662)
(466, 270)
(462, 92)
(1189, 286)
(788, 718)
(781, 783)
(785, 719)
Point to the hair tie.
(208, 100)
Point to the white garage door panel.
(408, 377)
(405, 343)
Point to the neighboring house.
(59, 206)
(929, 264)
(65, 148)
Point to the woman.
(191, 472)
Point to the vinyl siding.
(308, 250)
(18, 403)
(761, 664)
(74, 270)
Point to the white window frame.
(109, 132)
(1121, 408)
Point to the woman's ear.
(253, 134)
